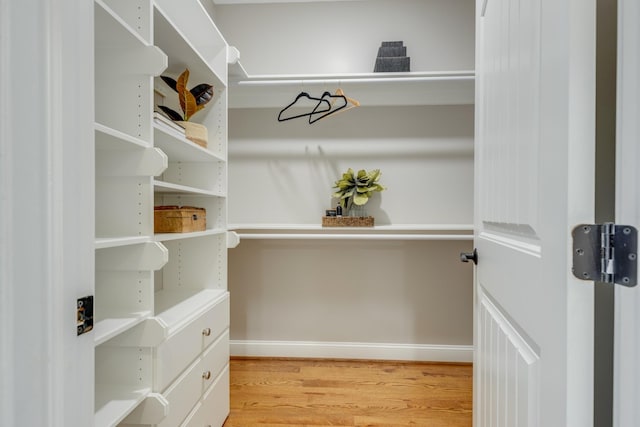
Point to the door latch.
(84, 314)
(469, 256)
(606, 253)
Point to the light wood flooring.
(303, 392)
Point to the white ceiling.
(271, 1)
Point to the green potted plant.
(191, 101)
(354, 189)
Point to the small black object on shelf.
(392, 57)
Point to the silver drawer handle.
(206, 332)
(206, 375)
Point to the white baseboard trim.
(350, 350)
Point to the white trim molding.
(352, 350)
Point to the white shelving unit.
(161, 301)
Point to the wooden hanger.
(353, 102)
(332, 110)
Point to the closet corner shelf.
(106, 329)
(114, 403)
(370, 89)
(112, 29)
(382, 232)
(107, 138)
(198, 44)
(179, 148)
(171, 188)
(112, 242)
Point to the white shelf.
(136, 14)
(165, 237)
(171, 188)
(112, 29)
(108, 138)
(112, 242)
(114, 403)
(384, 232)
(377, 228)
(367, 78)
(179, 148)
(351, 236)
(372, 89)
(146, 256)
(237, 72)
(198, 45)
(178, 307)
(106, 329)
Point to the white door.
(46, 212)
(626, 412)
(535, 107)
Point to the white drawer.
(181, 348)
(213, 360)
(188, 389)
(213, 410)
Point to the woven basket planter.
(347, 221)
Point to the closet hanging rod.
(397, 228)
(340, 81)
(310, 236)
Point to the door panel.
(511, 78)
(508, 370)
(626, 410)
(535, 101)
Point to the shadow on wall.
(316, 185)
(284, 173)
(257, 131)
(349, 291)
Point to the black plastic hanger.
(315, 110)
(331, 110)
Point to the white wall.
(283, 172)
(401, 292)
(343, 37)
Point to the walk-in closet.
(202, 193)
(250, 213)
(393, 291)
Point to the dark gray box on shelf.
(390, 64)
(386, 51)
(392, 57)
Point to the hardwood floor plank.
(314, 393)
